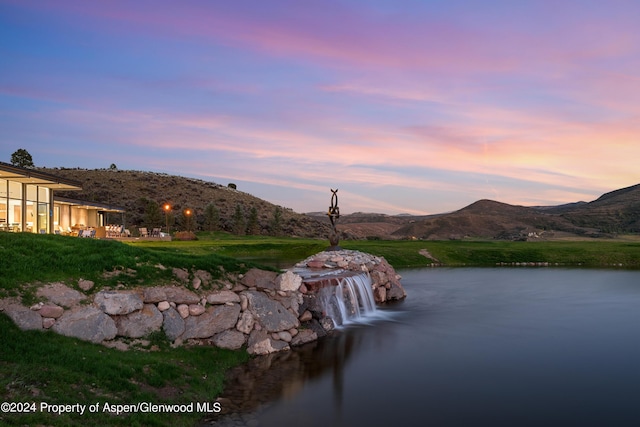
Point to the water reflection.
(265, 380)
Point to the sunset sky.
(405, 106)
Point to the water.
(351, 301)
(516, 347)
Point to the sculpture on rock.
(334, 215)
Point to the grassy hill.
(135, 190)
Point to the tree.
(276, 222)
(211, 217)
(22, 158)
(238, 221)
(253, 227)
(152, 214)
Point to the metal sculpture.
(334, 215)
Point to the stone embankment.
(263, 311)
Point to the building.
(28, 203)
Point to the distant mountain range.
(616, 212)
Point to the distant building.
(28, 204)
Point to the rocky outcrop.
(265, 311)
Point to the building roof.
(32, 176)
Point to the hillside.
(135, 191)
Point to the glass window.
(43, 194)
(32, 193)
(3, 188)
(43, 218)
(15, 190)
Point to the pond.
(468, 346)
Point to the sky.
(405, 106)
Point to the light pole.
(187, 214)
(167, 208)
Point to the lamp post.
(167, 208)
(187, 214)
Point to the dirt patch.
(427, 254)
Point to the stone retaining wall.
(264, 311)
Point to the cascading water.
(349, 301)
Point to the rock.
(229, 339)
(183, 309)
(86, 323)
(48, 322)
(306, 316)
(164, 305)
(380, 294)
(23, 317)
(260, 279)
(271, 314)
(215, 320)
(245, 323)
(327, 324)
(196, 309)
(60, 294)
(223, 297)
(172, 324)
(139, 323)
(85, 285)
(260, 343)
(288, 281)
(176, 294)
(53, 311)
(114, 302)
(244, 302)
(284, 336)
(396, 292)
(196, 282)
(203, 275)
(181, 274)
(315, 264)
(304, 336)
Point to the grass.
(46, 367)
(404, 254)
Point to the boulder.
(288, 281)
(213, 321)
(51, 310)
(118, 303)
(139, 323)
(85, 285)
(269, 313)
(196, 309)
(222, 297)
(229, 339)
(260, 343)
(260, 279)
(304, 336)
(172, 324)
(183, 309)
(245, 323)
(60, 294)
(86, 323)
(174, 294)
(164, 305)
(181, 274)
(48, 322)
(24, 318)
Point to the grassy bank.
(45, 367)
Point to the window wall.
(24, 207)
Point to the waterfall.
(350, 300)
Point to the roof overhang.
(34, 177)
(84, 204)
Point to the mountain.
(134, 190)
